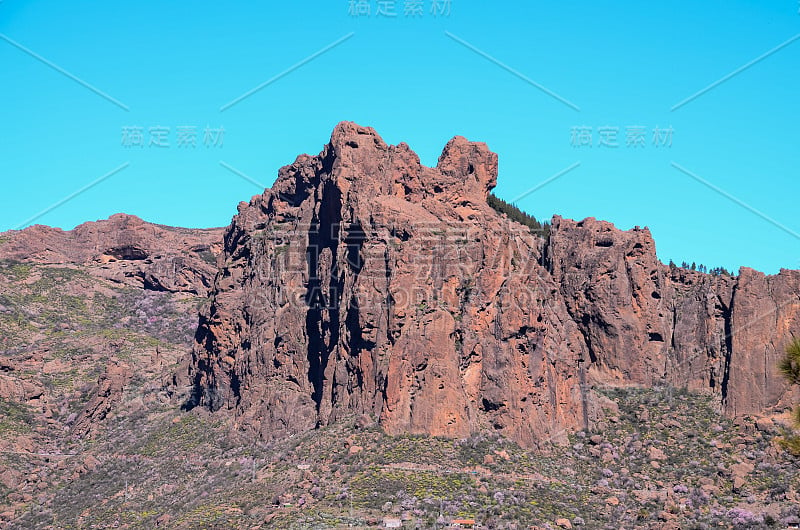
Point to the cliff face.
(766, 314)
(364, 283)
(644, 323)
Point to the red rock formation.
(366, 283)
(647, 324)
(765, 316)
(105, 398)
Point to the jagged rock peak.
(358, 156)
(367, 284)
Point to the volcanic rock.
(366, 283)
(649, 324)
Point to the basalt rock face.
(648, 324)
(365, 283)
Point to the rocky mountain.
(80, 304)
(92, 324)
(381, 315)
(363, 283)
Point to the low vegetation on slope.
(663, 459)
(74, 351)
(91, 436)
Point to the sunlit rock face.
(366, 284)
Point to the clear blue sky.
(624, 64)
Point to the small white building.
(391, 522)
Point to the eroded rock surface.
(646, 323)
(366, 283)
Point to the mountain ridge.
(362, 196)
(652, 324)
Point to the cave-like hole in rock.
(127, 252)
